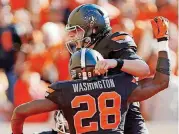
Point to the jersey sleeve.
(131, 87)
(126, 83)
(126, 53)
(54, 96)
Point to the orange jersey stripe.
(121, 37)
(50, 90)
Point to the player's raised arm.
(149, 87)
(27, 109)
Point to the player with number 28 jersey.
(94, 106)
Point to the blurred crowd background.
(39, 25)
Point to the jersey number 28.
(104, 111)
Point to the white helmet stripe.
(83, 53)
(83, 63)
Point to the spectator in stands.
(11, 58)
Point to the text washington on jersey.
(87, 86)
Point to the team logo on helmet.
(90, 19)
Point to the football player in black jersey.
(89, 26)
(94, 104)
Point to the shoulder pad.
(114, 42)
(119, 36)
(116, 34)
(56, 85)
(123, 38)
(60, 85)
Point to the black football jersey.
(96, 106)
(120, 45)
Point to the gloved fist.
(160, 28)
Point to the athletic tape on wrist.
(163, 46)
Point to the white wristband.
(163, 46)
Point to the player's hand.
(102, 66)
(160, 28)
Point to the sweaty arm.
(125, 60)
(25, 110)
(149, 87)
(133, 64)
(128, 61)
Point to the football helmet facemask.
(61, 124)
(86, 25)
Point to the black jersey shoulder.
(114, 42)
(59, 85)
(56, 85)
